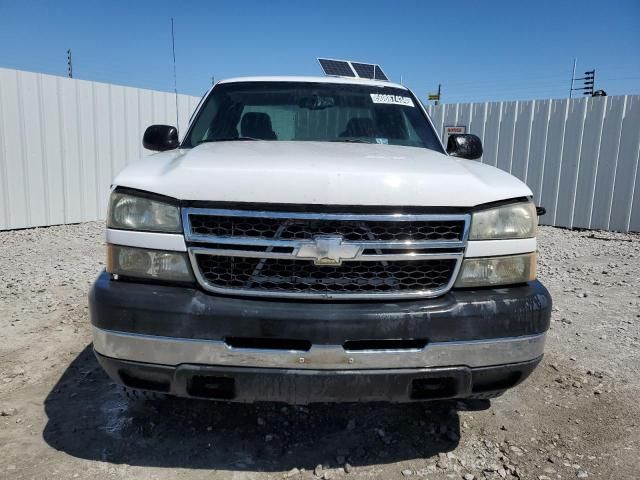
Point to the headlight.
(153, 264)
(491, 271)
(139, 213)
(518, 220)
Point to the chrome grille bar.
(263, 242)
(304, 253)
(292, 256)
(395, 217)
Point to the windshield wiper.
(226, 139)
(351, 140)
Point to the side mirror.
(160, 138)
(464, 146)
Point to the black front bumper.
(460, 315)
(184, 316)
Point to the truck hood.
(321, 173)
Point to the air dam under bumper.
(300, 386)
(186, 342)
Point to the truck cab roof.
(315, 79)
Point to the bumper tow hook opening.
(148, 381)
(206, 386)
(433, 388)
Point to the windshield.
(305, 111)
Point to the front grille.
(307, 229)
(304, 277)
(326, 256)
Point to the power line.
(545, 78)
(502, 87)
(558, 93)
(504, 79)
(509, 86)
(514, 85)
(550, 88)
(610, 79)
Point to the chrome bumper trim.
(176, 351)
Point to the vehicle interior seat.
(359, 127)
(257, 125)
(391, 122)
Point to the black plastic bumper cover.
(184, 312)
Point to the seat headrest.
(257, 125)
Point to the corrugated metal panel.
(607, 160)
(492, 134)
(553, 159)
(522, 140)
(63, 140)
(579, 157)
(538, 147)
(626, 167)
(570, 162)
(589, 154)
(506, 135)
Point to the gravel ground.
(61, 417)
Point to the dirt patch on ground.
(61, 417)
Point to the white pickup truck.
(312, 240)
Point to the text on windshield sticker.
(391, 99)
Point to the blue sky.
(478, 50)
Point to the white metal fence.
(63, 140)
(580, 157)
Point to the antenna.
(175, 81)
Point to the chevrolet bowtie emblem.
(328, 250)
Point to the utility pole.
(69, 64)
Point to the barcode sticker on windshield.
(392, 99)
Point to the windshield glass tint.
(301, 111)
